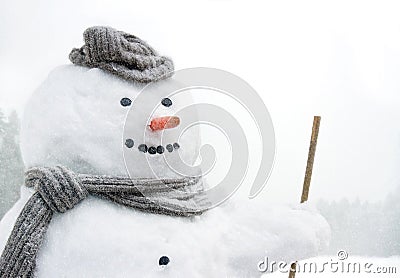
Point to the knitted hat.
(122, 54)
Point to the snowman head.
(78, 118)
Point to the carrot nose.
(164, 123)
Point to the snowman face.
(154, 133)
(78, 118)
(162, 120)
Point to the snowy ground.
(369, 267)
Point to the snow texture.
(100, 239)
(75, 119)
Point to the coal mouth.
(144, 148)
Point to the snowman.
(74, 125)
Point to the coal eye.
(125, 101)
(166, 102)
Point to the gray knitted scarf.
(59, 189)
(122, 54)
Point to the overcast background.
(340, 60)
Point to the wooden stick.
(292, 271)
(310, 160)
(307, 177)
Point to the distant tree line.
(364, 228)
(11, 164)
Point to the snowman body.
(101, 239)
(76, 119)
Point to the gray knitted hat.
(122, 54)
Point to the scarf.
(58, 190)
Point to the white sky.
(337, 59)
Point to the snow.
(100, 239)
(75, 118)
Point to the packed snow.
(101, 239)
(76, 119)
